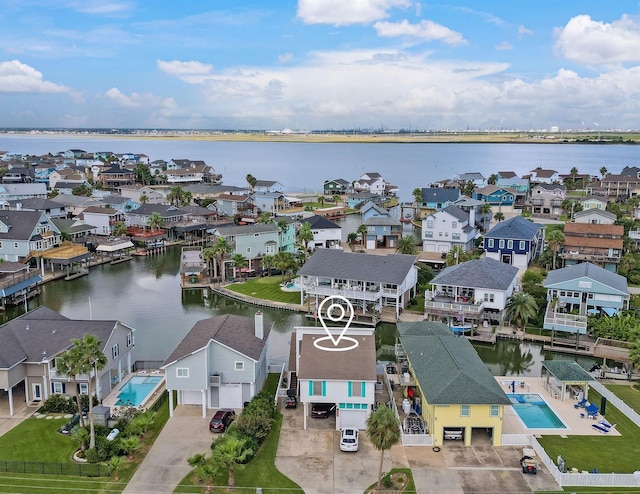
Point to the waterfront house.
(336, 187)
(515, 241)
(74, 153)
(344, 379)
(452, 388)
(103, 218)
(593, 202)
(33, 342)
(542, 176)
(598, 243)
(68, 176)
(136, 191)
(191, 174)
(371, 209)
(383, 232)
(615, 187)
(326, 233)
(435, 198)
(448, 228)
(114, 176)
(171, 215)
(595, 217)
(477, 178)
(358, 199)
(252, 241)
(370, 282)
(75, 205)
(519, 185)
(270, 202)
(220, 363)
(16, 192)
(236, 204)
(496, 196)
(25, 233)
(470, 292)
(371, 182)
(577, 291)
(210, 192)
(51, 208)
(74, 229)
(18, 282)
(268, 186)
(546, 200)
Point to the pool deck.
(111, 399)
(576, 424)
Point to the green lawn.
(617, 454)
(37, 440)
(15, 484)
(267, 288)
(628, 394)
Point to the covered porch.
(566, 379)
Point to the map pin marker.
(335, 305)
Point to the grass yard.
(628, 394)
(608, 454)
(37, 440)
(267, 288)
(14, 484)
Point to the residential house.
(583, 288)
(496, 196)
(68, 176)
(448, 228)
(270, 186)
(477, 178)
(137, 191)
(51, 208)
(370, 282)
(103, 218)
(191, 175)
(232, 205)
(336, 187)
(74, 153)
(452, 386)
(616, 187)
(474, 207)
(17, 173)
(252, 241)
(371, 209)
(209, 192)
(515, 241)
(471, 292)
(597, 243)
(74, 229)
(75, 205)
(139, 217)
(345, 379)
(593, 202)
(594, 216)
(119, 202)
(546, 200)
(25, 233)
(220, 363)
(519, 185)
(114, 176)
(371, 182)
(540, 175)
(15, 192)
(435, 198)
(326, 233)
(270, 202)
(34, 342)
(41, 172)
(358, 199)
(383, 232)
(18, 282)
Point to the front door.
(37, 391)
(506, 258)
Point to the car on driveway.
(349, 439)
(322, 410)
(221, 420)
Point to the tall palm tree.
(456, 255)
(177, 196)
(239, 262)
(144, 199)
(70, 364)
(417, 199)
(522, 307)
(406, 245)
(230, 453)
(91, 359)
(362, 231)
(251, 180)
(603, 171)
(305, 236)
(352, 238)
(485, 211)
(267, 263)
(155, 221)
(220, 249)
(555, 239)
(383, 430)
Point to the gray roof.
(44, 333)
(382, 221)
(319, 364)
(590, 211)
(587, 270)
(21, 224)
(567, 371)
(440, 194)
(71, 226)
(423, 328)
(164, 210)
(457, 213)
(515, 228)
(317, 222)
(334, 263)
(235, 332)
(450, 371)
(36, 203)
(231, 229)
(478, 273)
(551, 186)
(471, 176)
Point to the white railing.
(569, 320)
(348, 293)
(282, 392)
(616, 402)
(516, 439)
(457, 308)
(416, 439)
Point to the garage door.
(371, 244)
(429, 247)
(231, 396)
(444, 248)
(191, 397)
(352, 418)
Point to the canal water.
(145, 294)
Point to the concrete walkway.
(184, 435)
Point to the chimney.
(472, 216)
(259, 326)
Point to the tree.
(251, 180)
(456, 255)
(143, 174)
(493, 178)
(555, 240)
(485, 211)
(177, 196)
(267, 263)
(321, 200)
(220, 249)
(82, 190)
(468, 188)
(239, 262)
(362, 231)
(383, 430)
(155, 221)
(229, 453)
(522, 306)
(70, 364)
(406, 245)
(352, 238)
(91, 359)
(81, 434)
(603, 171)
(119, 229)
(305, 236)
(417, 199)
(285, 262)
(205, 471)
(634, 351)
(129, 445)
(264, 219)
(144, 199)
(499, 216)
(114, 465)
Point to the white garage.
(191, 397)
(231, 396)
(351, 418)
(429, 247)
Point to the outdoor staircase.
(293, 382)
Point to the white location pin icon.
(335, 312)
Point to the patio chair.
(601, 428)
(581, 403)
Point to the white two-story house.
(447, 228)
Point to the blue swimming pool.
(534, 412)
(136, 390)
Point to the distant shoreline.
(609, 138)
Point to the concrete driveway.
(184, 435)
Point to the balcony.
(348, 293)
(571, 323)
(591, 257)
(449, 308)
(9, 281)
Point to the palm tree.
(119, 229)
(264, 219)
(220, 249)
(485, 211)
(268, 262)
(177, 196)
(633, 203)
(230, 453)
(522, 307)
(417, 198)
(603, 171)
(155, 221)
(238, 263)
(129, 445)
(205, 470)
(114, 465)
(285, 262)
(352, 238)
(406, 245)
(499, 216)
(251, 180)
(70, 365)
(362, 231)
(91, 359)
(383, 430)
(144, 199)
(456, 255)
(555, 239)
(305, 235)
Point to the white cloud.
(17, 77)
(139, 100)
(346, 12)
(523, 30)
(100, 7)
(176, 67)
(424, 30)
(598, 43)
(505, 45)
(285, 57)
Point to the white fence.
(616, 402)
(282, 391)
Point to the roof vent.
(27, 328)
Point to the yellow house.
(455, 391)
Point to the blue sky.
(320, 64)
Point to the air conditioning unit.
(215, 380)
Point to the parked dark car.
(269, 272)
(221, 420)
(322, 410)
(292, 402)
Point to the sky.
(320, 64)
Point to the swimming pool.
(534, 412)
(136, 390)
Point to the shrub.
(58, 404)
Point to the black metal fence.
(42, 468)
(160, 402)
(146, 365)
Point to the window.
(317, 388)
(248, 250)
(454, 224)
(494, 411)
(129, 339)
(490, 244)
(15, 245)
(83, 388)
(465, 410)
(429, 223)
(501, 243)
(239, 366)
(488, 297)
(58, 388)
(440, 234)
(115, 351)
(182, 372)
(455, 236)
(358, 389)
(426, 235)
(522, 247)
(509, 244)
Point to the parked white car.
(349, 439)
